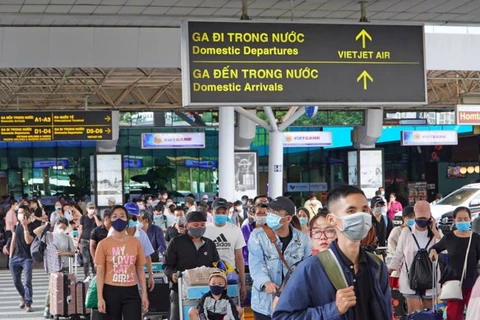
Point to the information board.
(248, 63)
(55, 126)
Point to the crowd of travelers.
(338, 260)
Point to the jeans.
(87, 260)
(174, 307)
(122, 302)
(17, 266)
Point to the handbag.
(452, 289)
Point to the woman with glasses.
(321, 234)
(119, 260)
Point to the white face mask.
(60, 231)
(90, 211)
(380, 210)
(169, 203)
(20, 216)
(356, 225)
(165, 196)
(15, 208)
(239, 208)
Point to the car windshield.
(458, 197)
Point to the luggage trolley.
(189, 297)
(159, 298)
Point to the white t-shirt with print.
(227, 239)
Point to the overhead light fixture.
(463, 170)
(477, 169)
(470, 169)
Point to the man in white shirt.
(228, 239)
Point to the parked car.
(467, 196)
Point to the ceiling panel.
(203, 11)
(92, 2)
(138, 2)
(131, 10)
(403, 16)
(234, 4)
(261, 4)
(467, 7)
(188, 3)
(58, 9)
(214, 3)
(425, 16)
(317, 14)
(404, 5)
(274, 13)
(10, 8)
(448, 6)
(33, 8)
(114, 2)
(227, 12)
(382, 15)
(155, 10)
(381, 5)
(426, 6)
(446, 17)
(107, 9)
(179, 11)
(36, 1)
(335, 5)
(83, 9)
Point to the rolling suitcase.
(80, 294)
(434, 313)
(62, 294)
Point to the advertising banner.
(246, 174)
(429, 138)
(468, 115)
(109, 173)
(305, 139)
(185, 140)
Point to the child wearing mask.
(216, 304)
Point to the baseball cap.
(196, 216)
(205, 197)
(282, 203)
(218, 274)
(220, 203)
(90, 205)
(132, 208)
(375, 200)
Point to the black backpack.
(39, 244)
(420, 273)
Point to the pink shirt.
(10, 220)
(394, 206)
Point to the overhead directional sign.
(246, 63)
(55, 126)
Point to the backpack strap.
(415, 238)
(377, 261)
(332, 268)
(273, 239)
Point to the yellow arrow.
(108, 130)
(365, 76)
(364, 35)
(107, 118)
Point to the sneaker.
(22, 303)
(47, 314)
(87, 279)
(28, 308)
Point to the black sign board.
(247, 63)
(55, 126)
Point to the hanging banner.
(429, 138)
(185, 140)
(305, 139)
(246, 174)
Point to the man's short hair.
(189, 200)
(342, 192)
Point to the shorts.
(419, 294)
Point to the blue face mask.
(244, 202)
(119, 225)
(463, 226)
(220, 219)
(422, 223)
(273, 221)
(410, 222)
(303, 221)
(132, 224)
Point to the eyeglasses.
(317, 233)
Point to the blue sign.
(132, 163)
(204, 164)
(59, 164)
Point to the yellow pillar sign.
(365, 76)
(364, 35)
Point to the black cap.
(196, 216)
(282, 203)
(376, 200)
(220, 203)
